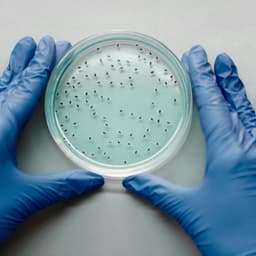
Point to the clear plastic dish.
(119, 104)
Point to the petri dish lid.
(119, 104)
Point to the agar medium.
(119, 104)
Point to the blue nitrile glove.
(21, 86)
(219, 214)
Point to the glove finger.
(213, 108)
(61, 48)
(184, 60)
(37, 73)
(45, 190)
(20, 57)
(234, 91)
(29, 88)
(160, 192)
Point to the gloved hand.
(219, 214)
(21, 86)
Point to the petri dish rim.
(119, 171)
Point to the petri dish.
(119, 104)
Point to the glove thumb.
(161, 193)
(45, 190)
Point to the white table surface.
(111, 221)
